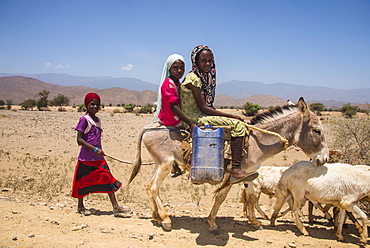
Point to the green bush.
(130, 107)
(146, 109)
(348, 110)
(81, 108)
(251, 109)
(317, 108)
(28, 104)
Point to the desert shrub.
(317, 108)
(348, 110)
(130, 107)
(81, 108)
(352, 138)
(28, 104)
(9, 104)
(42, 102)
(146, 109)
(59, 100)
(250, 109)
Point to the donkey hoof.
(166, 227)
(258, 227)
(215, 231)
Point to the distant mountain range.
(92, 82)
(232, 93)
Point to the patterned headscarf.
(208, 80)
(165, 74)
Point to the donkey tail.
(136, 165)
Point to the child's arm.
(83, 143)
(178, 112)
(203, 106)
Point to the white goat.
(341, 185)
(267, 183)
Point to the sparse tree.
(130, 107)
(2, 103)
(60, 100)
(317, 107)
(8, 104)
(349, 110)
(147, 108)
(28, 104)
(81, 108)
(42, 102)
(251, 109)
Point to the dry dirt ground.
(38, 153)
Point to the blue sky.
(312, 42)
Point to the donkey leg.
(219, 199)
(153, 205)
(159, 212)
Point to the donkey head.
(311, 137)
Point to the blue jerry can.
(207, 161)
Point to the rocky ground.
(38, 153)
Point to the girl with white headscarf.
(168, 111)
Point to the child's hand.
(100, 152)
(193, 126)
(238, 118)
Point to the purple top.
(92, 134)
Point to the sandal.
(84, 211)
(176, 171)
(121, 212)
(249, 177)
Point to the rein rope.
(147, 130)
(123, 161)
(284, 140)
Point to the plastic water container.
(207, 161)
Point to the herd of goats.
(337, 185)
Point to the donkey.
(294, 122)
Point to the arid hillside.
(19, 89)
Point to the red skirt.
(93, 177)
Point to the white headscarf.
(165, 74)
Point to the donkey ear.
(302, 106)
